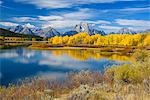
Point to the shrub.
(132, 73)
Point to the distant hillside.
(7, 33)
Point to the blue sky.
(107, 15)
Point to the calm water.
(22, 62)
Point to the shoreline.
(126, 49)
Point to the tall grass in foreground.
(125, 82)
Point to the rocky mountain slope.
(21, 29)
(51, 32)
(84, 27)
(46, 32)
(126, 31)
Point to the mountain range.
(21, 29)
(51, 32)
(7, 33)
(46, 32)
(126, 31)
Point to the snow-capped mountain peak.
(126, 31)
(87, 27)
(21, 29)
(49, 32)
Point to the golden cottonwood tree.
(147, 40)
(108, 40)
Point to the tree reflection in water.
(87, 54)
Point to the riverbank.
(126, 49)
(125, 82)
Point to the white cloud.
(100, 22)
(47, 3)
(1, 2)
(70, 19)
(61, 20)
(110, 27)
(63, 3)
(137, 25)
(23, 19)
(69, 23)
(8, 24)
(49, 18)
(29, 25)
(60, 24)
(139, 28)
(63, 24)
(133, 22)
(74, 15)
(81, 14)
(66, 20)
(135, 9)
(123, 11)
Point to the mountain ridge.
(84, 27)
(126, 31)
(21, 29)
(51, 32)
(7, 33)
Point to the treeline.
(112, 40)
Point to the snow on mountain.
(94, 31)
(126, 31)
(21, 29)
(49, 32)
(84, 27)
(16, 29)
(26, 30)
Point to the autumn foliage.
(111, 39)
